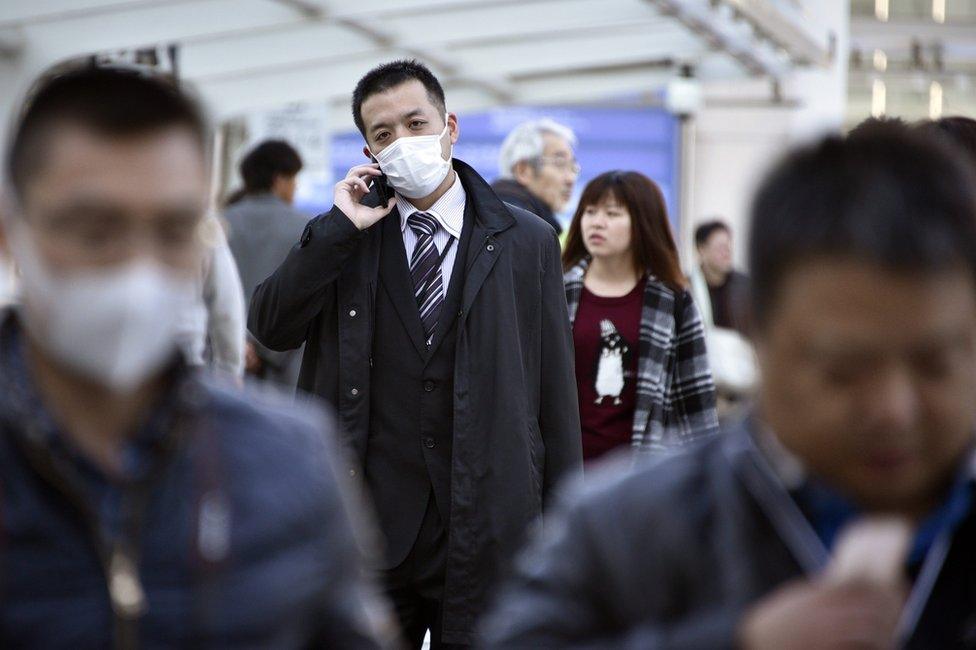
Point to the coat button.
(430, 443)
(429, 386)
(352, 313)
(352, 473)
(491, 247)
(354, 392)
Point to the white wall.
(741, 132)
(733, 148)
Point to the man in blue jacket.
(139, 503)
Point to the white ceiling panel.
(480, 23)
(20, 12)
(159, 23)
(268, 50)
(251, 53)
(613, 47)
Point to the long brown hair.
(650, 231)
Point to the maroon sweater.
(606, 334)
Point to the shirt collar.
(448, 210)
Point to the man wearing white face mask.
(143, 504)
(436, 323)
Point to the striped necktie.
(425, 270)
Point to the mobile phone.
(383, 189)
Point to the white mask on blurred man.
(116, 326)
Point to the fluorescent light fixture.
(881, 10)
(878, 98)
(880, 60)
(935, 100)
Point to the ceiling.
(247, 54)
(907, 45)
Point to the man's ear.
(453, 127)
(523, 171)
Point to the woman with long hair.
(641, 366)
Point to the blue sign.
(639, 139)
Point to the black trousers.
(416, 585)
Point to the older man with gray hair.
(538, 168)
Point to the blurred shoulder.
(647, 493)
(269, 427)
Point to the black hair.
(885, 194)
(392, 74)
(872, 123)
(960, 131)
(109, 101)
(705, 230)
(267, 160)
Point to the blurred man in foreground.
(864, 274)
(141, 504)
(538, 169)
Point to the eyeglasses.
(561, 164)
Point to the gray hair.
(525, 143)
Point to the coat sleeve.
(562, 595)
(559, 421)
(692, 387)
(284, 305)
(224, 298)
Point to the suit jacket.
(516, 418)
(261, 230)
(673, 555)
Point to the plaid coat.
(675, 391)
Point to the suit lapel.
(483, 251)
(452, 299)
(395, 277)
(491, 217)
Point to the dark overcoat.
(516, 418)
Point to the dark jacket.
(672, 556)
(241, 536)
(513, 192)
(516, 420)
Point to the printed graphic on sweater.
(611, 362)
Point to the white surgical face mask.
(116, 326)
(414, 165)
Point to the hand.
(252, 362)
(819, 615)
(351, 190)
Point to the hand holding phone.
(349, 193)
(383, 189)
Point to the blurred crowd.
(440, 413)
